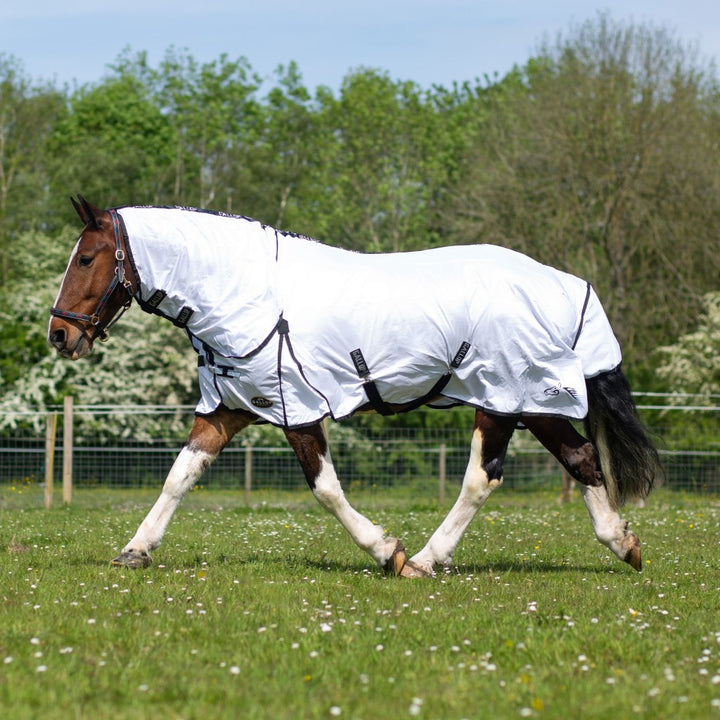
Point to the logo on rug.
(261, 402)
(555, 390)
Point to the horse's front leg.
(579, 457)
(311, 448)
(209, 435)
(484, 474)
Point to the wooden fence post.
(67, 449)
(248, 472)
(442, 470)
(50, 428)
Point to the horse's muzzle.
(58, 338)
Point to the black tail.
(628, 458)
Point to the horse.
(291, 331)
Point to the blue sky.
(427, 41)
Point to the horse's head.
(98, 284)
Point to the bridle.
(119, 279)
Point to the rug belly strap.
(373, 394)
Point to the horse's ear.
(89, 214)
(79, 210)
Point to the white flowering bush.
(692, 364)
(147, 361)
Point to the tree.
(275, 179)
(382, 163)
(214, 113)
(115, 146)
(27, 115)
(600, 157)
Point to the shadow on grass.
(518, 568)
(292, 565)
(526, 568)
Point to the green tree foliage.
(382, 164)
(284, 167)
(214, 113)
(115, 143)
(599, 155)
(27, 116)
(594, 158)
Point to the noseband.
(119, 278)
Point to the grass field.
(271, 612)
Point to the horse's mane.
(217, 213)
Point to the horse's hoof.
(132, 559)
(396, 561)
(632, 556)
(412, 570)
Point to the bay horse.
(290, 331)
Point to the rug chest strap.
(152, 305)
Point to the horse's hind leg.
(491, 436)
(311, 448)
(579, 457)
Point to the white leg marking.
(368, 536)
(476, 488)
(609, 528)
(186, 469)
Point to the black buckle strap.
(156, 298)
(373, 394)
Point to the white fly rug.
(294, 331)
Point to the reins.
(119, 278)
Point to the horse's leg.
(579, 457)
(209, 435)
(311, 447)
(491, 436)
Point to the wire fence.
(135, 447)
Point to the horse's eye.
(86, 261)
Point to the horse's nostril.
(57, 338)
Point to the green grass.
(271, 612)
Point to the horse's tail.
(628, 458)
